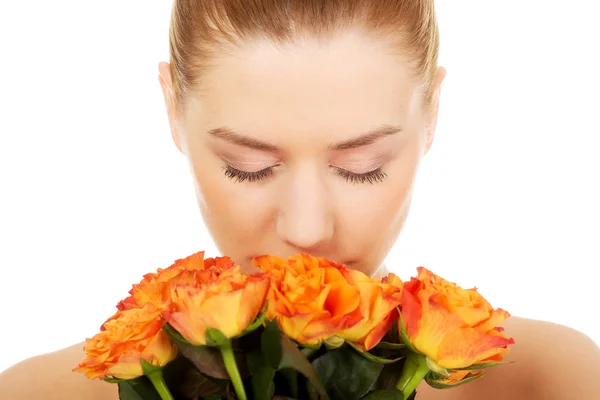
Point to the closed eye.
(241, 176)
(237, 175)
(374, 176)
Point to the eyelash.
(241, 176)
(371, 177)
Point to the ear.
(166, 84)
(433, 108)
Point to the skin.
(303, 101)
(277, 97)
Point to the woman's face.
(311, 148)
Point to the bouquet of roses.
(300, 328)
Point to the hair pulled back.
(200, 29)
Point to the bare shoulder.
(549, 361)
(50, 377)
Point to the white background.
(93, 194)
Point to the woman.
(304, 123)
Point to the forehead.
(341, 86)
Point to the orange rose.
(311, 298)
(230, 303)
(126, 339)
(454, 327)
(155, 287)
(378, 302)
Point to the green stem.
(414, 371)
(159, 384)
(408, 370)
(232, 370)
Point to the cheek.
(232, 211)
(377, 213)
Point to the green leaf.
(387, 394)
(315, 346)
(262, 376)
(435, 368)
(138, 389)
(293, 358)
(186, 381)
(439, 385)
(280, 353)
(346, 374)
(270, 343)
(114, 380)
(434, 376)
(388, 378)
(148, 368)
(312, 354)
(334, 342)
(173, 334)
(374, 358)
(216, 338)
(290, 381)
(413, 396)
(207, 359)
(313, 394)
(390, 346)
(483, 366)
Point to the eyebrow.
(367, 138)
(228, 135)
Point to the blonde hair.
(201, 28)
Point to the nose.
(305, 220)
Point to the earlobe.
(166, 84)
